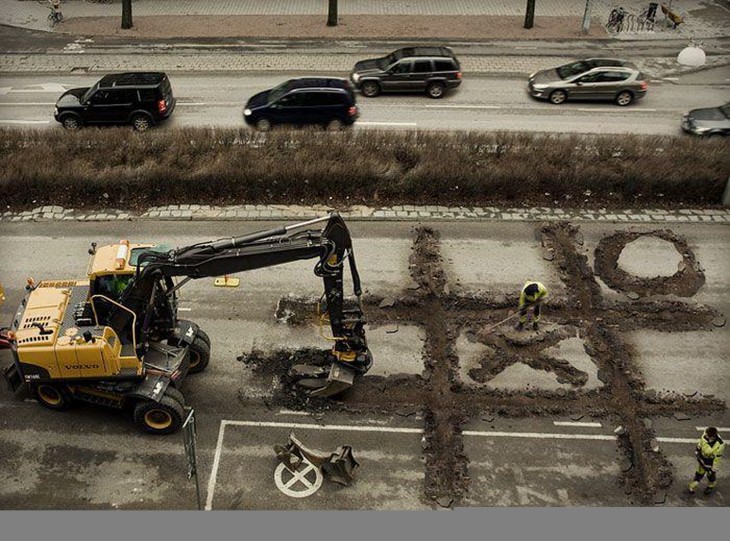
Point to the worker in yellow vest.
(709, 452)
(531, 296)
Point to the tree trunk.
(332, 13)
(530, 14)
(127, 14)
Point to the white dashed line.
(571, 423)
(25, 121)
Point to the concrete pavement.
(506, 53)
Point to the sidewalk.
(474, 20)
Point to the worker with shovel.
(531, 296)
(709, 452)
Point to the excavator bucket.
(341, 467)
(338, 467)
(339, 379)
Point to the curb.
(184, 212)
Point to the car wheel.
(335, 125)
(264, 124)
(370, 89)
(141, 123)
(435, 90)
(71, 122)
(558, 96)
(624, 98)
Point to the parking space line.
(539, 435)
(402, 430)
(573, 423)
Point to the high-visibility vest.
(710, 453)
(542, 292)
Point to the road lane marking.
(16, 104)
(214, 470)
(605, 110)
(719, 428)
(413, 124)
(462, 106)
(184, 309)
(572, 423)
(292, 412)
(25, 121)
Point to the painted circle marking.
(307, 476)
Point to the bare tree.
(530, 14)
(332, 13)
(127, 14)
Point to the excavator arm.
(151, 293)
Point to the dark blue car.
(324, 101)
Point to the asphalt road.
(481, 103)
(92, 458)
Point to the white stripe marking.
(184, 309)
(571, 423)
(25, 121)
(20, 103)
(292, 412)
(216, 463)
(540, 435)
(462, 106)
(399, 430)
(677, 440)
(386, 124)
(604, 110)
(671, 78)
(719, 428)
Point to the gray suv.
(411, 69)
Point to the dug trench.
(446, 402)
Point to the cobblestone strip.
(399, 212)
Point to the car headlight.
(55, 111)
(532, 75)
(356, 77)
(539, 87)
(247, 112)
(697, 130)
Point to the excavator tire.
(175, 394)
(52, 396)
(204, 335)
(159, 418)
(199, 352)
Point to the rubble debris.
(719, 321)
(387, 302)
(633, 295)
(445, 501)
(679, 416)
(619, 431)
(391, 329)
(660, 497)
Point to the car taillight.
(352, 111)
(644, 85)
(458, 75)
(161, 106)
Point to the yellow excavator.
(115, 338)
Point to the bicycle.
(615, 21)
(55, 16)
(647, 17)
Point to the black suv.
(139, 99)
(410, 69)
(325, 101)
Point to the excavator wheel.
(199, 352)
(204, 335)
(175, 394)
(52, 396)
(159, 418)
